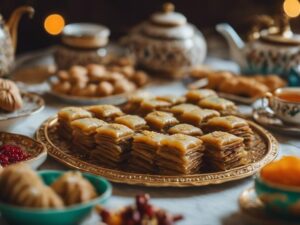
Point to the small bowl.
(67, 216)
(281, 199)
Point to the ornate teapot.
(8, 38)
(167, 43)
(273, 49)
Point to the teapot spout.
(14, 19)
(235, 43)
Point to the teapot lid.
(168, 24)
(85, 35)
(280, 33)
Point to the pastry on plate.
(74, 188)
(231, 124)
(223, 151)
(222, 105)
(105, 112)
(150, 105)
(83, 131)
(113, 144)
(66, 116)
(160, 121)
(197, 117)
(174, 100)
(134, 122)
(180, 154)
(144, 150)
(187, 129)
(10, 97)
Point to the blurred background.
(121, 15)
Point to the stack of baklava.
(223, 151)
(83, 134)
(66, 116)
(144, 151)
(180, 154)
(231, 124)
(105, 112)
(113, 144)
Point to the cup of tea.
(285, 103)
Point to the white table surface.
(210, 205)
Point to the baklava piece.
(182, 108)
(222, 105)
(151, 105)
(186, 129)
(233, 125)
(144, 150)
(197, 117)
(83, 133)
(66, 116)
(134, 122)
(223, 151)
(105, 112)
(180, 154)
(195, 96)
(134, 102)
(161, 121)
(174, 100)
(113, 144)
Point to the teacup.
(285, 103)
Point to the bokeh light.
(54, 24)
(291, 8)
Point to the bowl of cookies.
(95, 83)
(49, 197)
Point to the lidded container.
(167, 43)
(82, 44)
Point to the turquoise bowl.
(280, 200)
(68, 216)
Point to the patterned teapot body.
(275, 50)
(167, 43)
(8, 39)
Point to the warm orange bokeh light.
(291, 8)
(54, 24)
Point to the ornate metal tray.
(265, 151)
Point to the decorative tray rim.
(160, 180)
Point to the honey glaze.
(290, 96)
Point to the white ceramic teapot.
(275, 49)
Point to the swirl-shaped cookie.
(10, 97)
(74, 188)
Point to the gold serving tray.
(265, 151)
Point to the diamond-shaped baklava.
(187, 129)
(195, 96)
(197, 117)
(182, 108)
(222, 105)
(105, 112)
(132, 121)
(160, 121)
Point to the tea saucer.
(263, 115)
(255, 210)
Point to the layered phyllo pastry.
(224, 151)
(182, 108)
(197, 117)
(161, 121)
(83, 133)
(66, 116)
(105, 112)
(233, 125)
(195, 96)
(113, 144)
(134, 122)
(187, 129)
(222, 105)
(180, 154)
(174, 100)
(151, 105)
(144, 150)
(134, 102)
